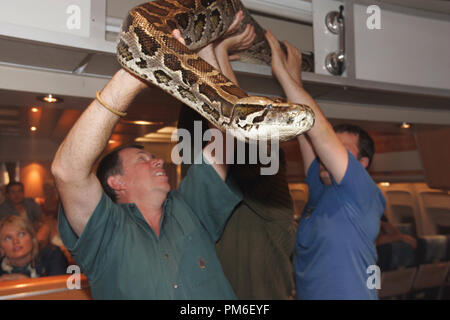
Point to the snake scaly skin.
(147, 49)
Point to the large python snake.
(147, 49)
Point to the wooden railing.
(45, 288)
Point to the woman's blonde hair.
(23, 223)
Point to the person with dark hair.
(336, 235)
(150, 242)
(17, 204)
(258, 239)
(366, 146)
(111, 165)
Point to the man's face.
(350, 142)
(15, 195)
(142, 172)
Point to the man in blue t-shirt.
(335, 247)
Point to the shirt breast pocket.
(198, 266)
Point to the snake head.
(262, 118)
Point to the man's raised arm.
(323, 141)
(217, 55)
(78, 186)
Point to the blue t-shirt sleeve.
(89, 250)
(359, 186)
(210, 198)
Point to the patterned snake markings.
(147, 49)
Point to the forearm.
(88, 137)
(324, 140)
(307, 152)
(209, 55)
(387, 238)
(296, 93)
(43, 233)
(225, 65)
(390, 228)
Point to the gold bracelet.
(119, 113)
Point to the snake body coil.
(147, 49)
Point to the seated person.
(2, 193)
(22, 257)
(389, 233)
(49, 216)
(17, 204)
(394, 249)
(50, 204)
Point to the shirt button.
(175, 285)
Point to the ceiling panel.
(39, 55)
(102, 64)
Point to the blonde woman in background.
(21, 256)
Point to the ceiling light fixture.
(405, 125)
(34, 109)
(33, 128)
(50, 98)
(144, 123)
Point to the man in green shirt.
(151, 243)
(125, 258)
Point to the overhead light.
(34, 109)
(167, 130)
(385, 184)
(111, 141)
(33, 128)
(50, 98)
(162, 135)
(143, 123)
(405, 125)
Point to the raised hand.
(206, 53)
(294, 62)
(231, 43)
(285, 67)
